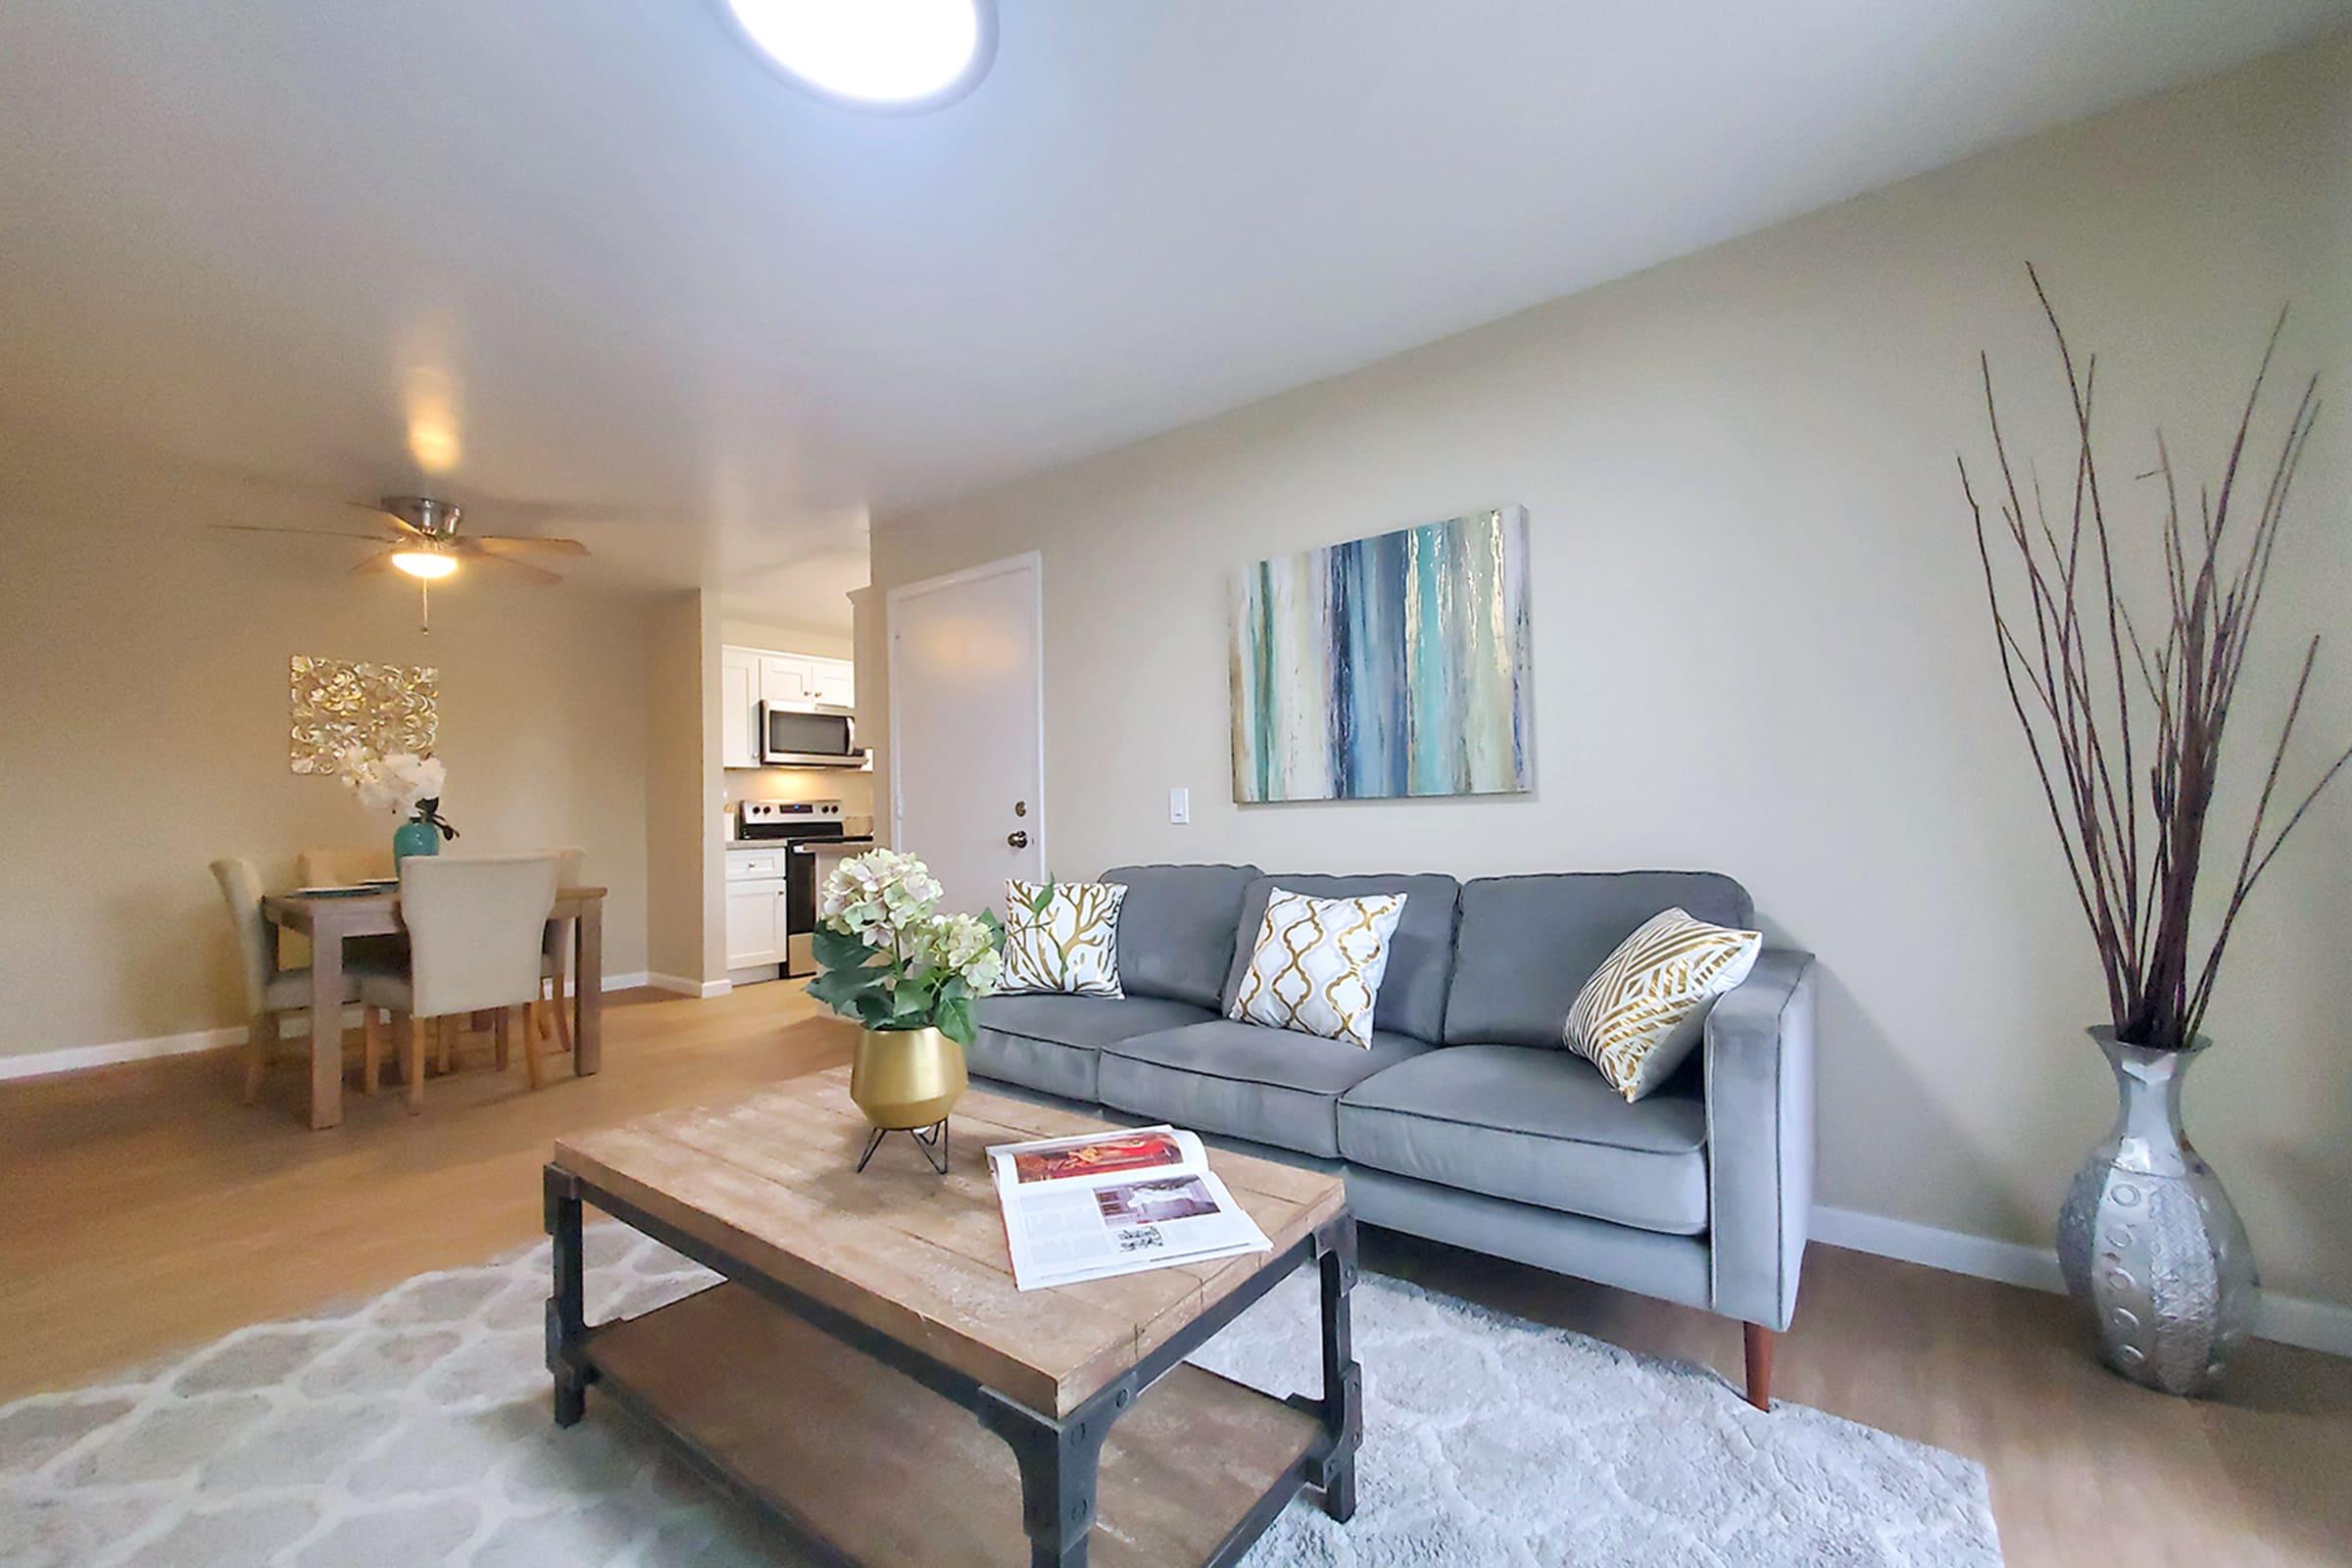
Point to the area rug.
(413, 1429)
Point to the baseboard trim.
(80, 1059)
(296, 1026)
(684, 987)
(2288, 1319)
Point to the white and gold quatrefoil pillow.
(1646, 1008)
(1317, 965)
(1062, 937)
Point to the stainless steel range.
(798, 827)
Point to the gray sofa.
(1467, 1121)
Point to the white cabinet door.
(833, 682)
(754, 923)
(783, 679)
(738, 707)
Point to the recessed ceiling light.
(874, 54)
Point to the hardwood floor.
(144, 1209)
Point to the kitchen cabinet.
(750, 677)
(757, 922)
(832, 681)
(738, 707)
(784, 678)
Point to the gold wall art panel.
(339, 703)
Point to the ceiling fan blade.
(471, 550)
(510, 544)
(380, 561)
(306, 533)
(394, 518)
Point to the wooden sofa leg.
(1758, 1341)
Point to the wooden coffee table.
(866, 1319)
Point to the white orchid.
(393, 783)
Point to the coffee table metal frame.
(1057, 1458)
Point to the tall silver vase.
(2150, 1241)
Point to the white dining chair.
(477, 944)
(555, 1020)
(270, 991)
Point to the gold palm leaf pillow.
(1646, 1005)
(1317, 965)
(1062, 937)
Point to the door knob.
(1019, 840)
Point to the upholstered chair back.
(241, 890)
(476, 929)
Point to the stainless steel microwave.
(808, 735)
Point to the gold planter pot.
(906, 1079)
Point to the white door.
(967, 728)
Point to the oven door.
(799, 910)
(808, 735)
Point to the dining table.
(332, 919)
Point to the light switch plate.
(1180, 805)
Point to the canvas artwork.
(1392, 665)
(337, 704)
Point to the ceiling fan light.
(873, 54)
(428, 564)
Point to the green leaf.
(874, 1007)
(1045, 898)
(954, 1020)
(834, 951)
(955, 988)
(912, 1001)
(841, 989)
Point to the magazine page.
(1081, 1208)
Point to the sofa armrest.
(1759, 1088)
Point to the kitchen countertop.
(818, 846)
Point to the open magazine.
(1084, 1208)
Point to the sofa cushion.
(1177, 929)
(1538, 1126)
(1268, 1084)
(1050, 1041)
(1412, 991)
(1528, 944)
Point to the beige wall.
(827, 642)
(1760, 644)
(675, 824)
(146, 730)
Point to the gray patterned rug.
(413, 1429)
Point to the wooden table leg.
(588, 998)
(327, 1024)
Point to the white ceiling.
(589, 252)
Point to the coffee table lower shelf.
(857, 1456)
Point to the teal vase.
(415, 837)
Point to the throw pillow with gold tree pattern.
(1062, 937)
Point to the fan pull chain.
(424, 608)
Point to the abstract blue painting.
(1391, 666)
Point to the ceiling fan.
(422, 541)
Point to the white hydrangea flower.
(879, 897)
